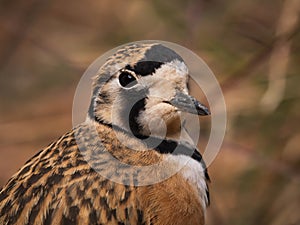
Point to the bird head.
(142, 89)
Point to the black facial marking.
(133, 115)
(154, 58)
(145, 68)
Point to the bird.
(127, 162)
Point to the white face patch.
(180, 67)
(166, 79)
(175, 71)
(162, 86)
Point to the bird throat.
(164, 127)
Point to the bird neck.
(160, 145)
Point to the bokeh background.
(252, 46)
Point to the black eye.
(127, 80)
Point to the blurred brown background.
(251, 45)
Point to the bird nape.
(130, 162)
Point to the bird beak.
(187, 103)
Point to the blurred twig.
(52, 51)
(250, 66)
(20, 33)
(261, 57)
(79, 67)
(21, 26)
(280, 55)
(272, 164)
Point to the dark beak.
(187, 103)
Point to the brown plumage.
(95, 174)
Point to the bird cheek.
(157, 94)
(161, 120)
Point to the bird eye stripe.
(144, 68)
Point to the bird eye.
(127, 80)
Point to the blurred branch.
(261, 57)
(280, 56)
(52, 51)
(254, 29)
(58, 55)
(21, 26)
(192, 14)
(272, 164)
(255, 61)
